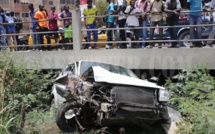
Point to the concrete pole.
(76, 27)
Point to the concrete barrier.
(179, 58)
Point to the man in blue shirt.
(195, 18)
(33, 24)
(110, 23)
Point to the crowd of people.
(43, 24)
(48, 24)
(133, 15)
(14, 25)
(138, 12)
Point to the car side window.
(71, 68)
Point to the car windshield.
(85, 65)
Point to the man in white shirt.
(132, 19)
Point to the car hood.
(103, 75)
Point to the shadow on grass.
(131, 129)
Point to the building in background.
(61, 3)
(20, 8)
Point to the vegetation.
(194, 96)
(21, 92)
(24, 106)
(102, 8)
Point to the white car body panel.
(61, 76)
(103, 75)
(58, 99)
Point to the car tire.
(64, 124)
(184, 36)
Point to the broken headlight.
(163, 95)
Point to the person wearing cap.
(91, 22)
(53, 27)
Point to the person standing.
(33, 25)
(122, 4)
(142, 5)
(110, 23)
(2, 30)
(42, 24)
(10, 30)
(60, 21)
(172, 8)
(132, 19)
(212, 34)
(61, 29)
(156, 9)
(195, 18)
(18, 27)
(66, 15)
(91, 23)
(53, 27)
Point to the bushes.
(194, 96)
(21, 91)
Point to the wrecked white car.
(89, 92)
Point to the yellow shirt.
(90, 12)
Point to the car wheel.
(66, 117)
(185, 36)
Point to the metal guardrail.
(147, 41)
(106, 29)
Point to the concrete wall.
(180, 58)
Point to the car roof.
(95, 61)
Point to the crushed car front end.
(133, 104)
(121, 97)
(110, 95)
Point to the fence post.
(76, 29)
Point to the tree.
(102, 8)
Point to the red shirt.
(53, 22)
